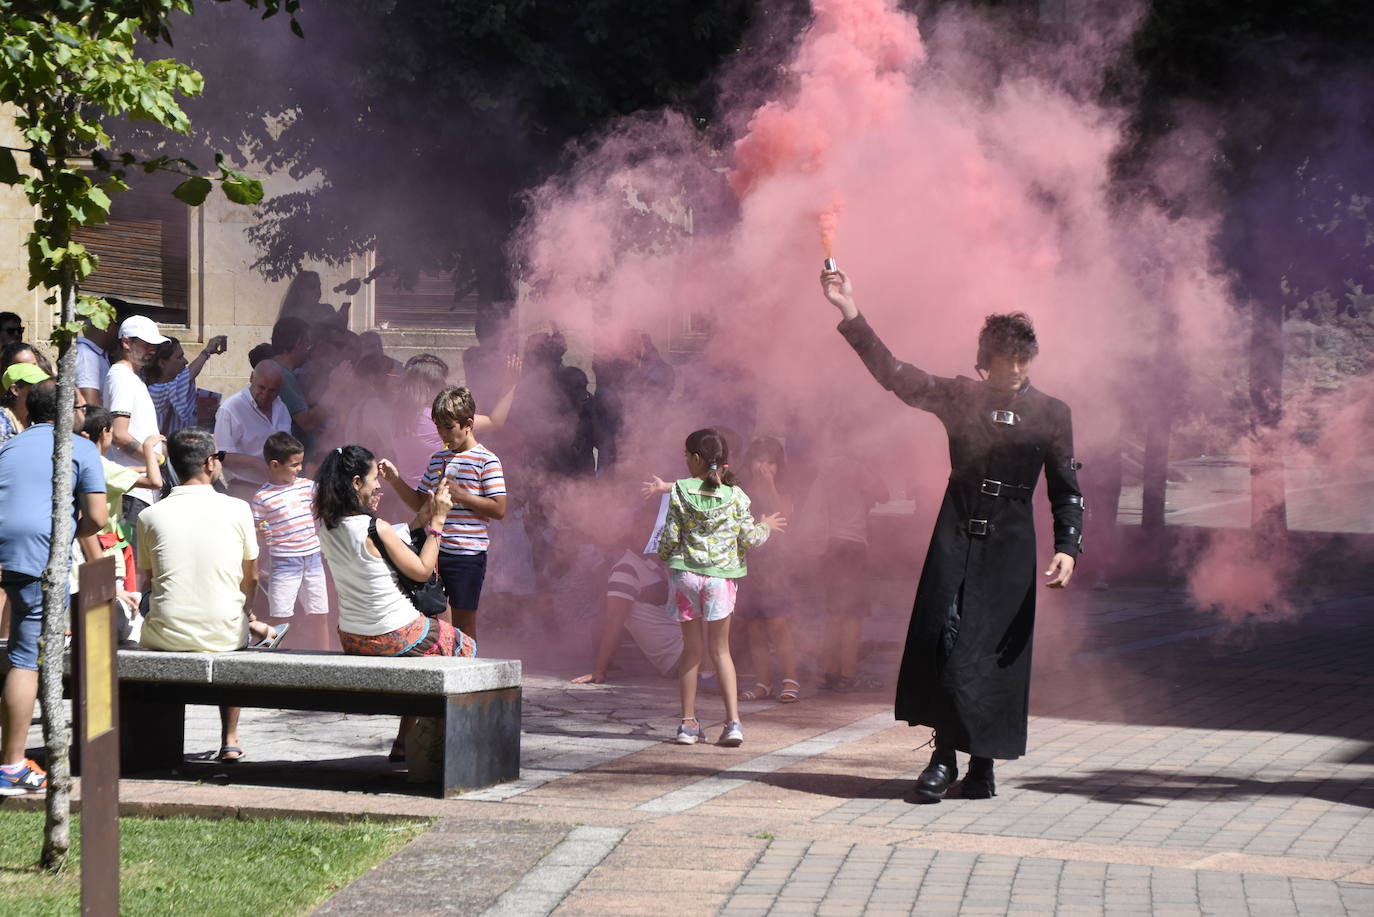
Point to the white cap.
(141, 327)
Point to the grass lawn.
(201, 866)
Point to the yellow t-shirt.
(195, 542)
(119, 480)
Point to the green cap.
(22, 372)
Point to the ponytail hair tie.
(339, 449)
(713, 466)
(726, 466)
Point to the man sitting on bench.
(200, 552)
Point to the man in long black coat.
(966, 668)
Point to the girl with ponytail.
(706, 533)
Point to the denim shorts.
(462, 575)
(26, 619)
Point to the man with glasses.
(200, 554)
(26, 471)
(11, 328)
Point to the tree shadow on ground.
(1144, 787)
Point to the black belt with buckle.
(979, 527)
(1004, 489)
(991, 488)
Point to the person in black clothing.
(966, 668)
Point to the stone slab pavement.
(1178, 764)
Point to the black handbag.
(427, 597)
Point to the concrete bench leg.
(152, 734)
(481, 740)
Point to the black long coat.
(966, 669)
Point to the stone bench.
(477, 701)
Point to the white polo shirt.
(195, 543)
(92, 365)
(125, 394)
(240, 426)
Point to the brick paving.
(1178, 765)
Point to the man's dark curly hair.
(1009, 335)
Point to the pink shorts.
(693, 595)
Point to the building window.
(430, 303)
(144, 251)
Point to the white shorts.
(695, 595)
(292, 578)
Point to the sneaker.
(689, 734)
(733, 736)
(29, 779)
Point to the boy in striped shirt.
(478, 486)
(284, 513)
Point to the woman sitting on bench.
(365, 555)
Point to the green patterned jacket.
(707, 532)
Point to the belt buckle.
(1005, 417)
(991, 488)
(977, 526)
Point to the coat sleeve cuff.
(854, 328)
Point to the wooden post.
(95, 705)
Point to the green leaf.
(95, 310)
(193, 191)
(241, 189)
(9, 169)
(100, 199)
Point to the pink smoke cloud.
(965, 189)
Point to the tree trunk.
(1268, 499)
(57, 834)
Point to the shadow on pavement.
(363, 774)
(1183, 668)
(1157, 788)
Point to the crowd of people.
(277, 507)
(229, 532)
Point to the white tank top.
(370, 603)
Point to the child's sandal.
(791, 691)
(760, 691)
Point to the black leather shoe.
(980, 782)
(933, 783)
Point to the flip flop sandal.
(791, 691)
(760, 691)
(271, 642)
(230, 753)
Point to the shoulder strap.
(377, 540)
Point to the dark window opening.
(144, 251)
(430, 303)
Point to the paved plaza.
(1178, 765)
